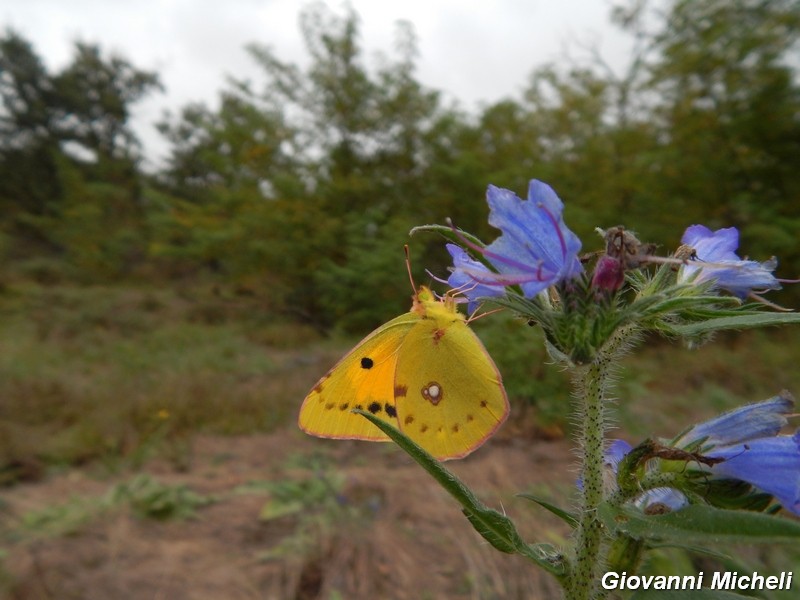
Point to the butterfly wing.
(450, 393)
(363, 379)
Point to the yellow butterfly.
(425, 372)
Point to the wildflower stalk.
(593, 383)
(588, 536)
(533, 269)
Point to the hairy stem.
(592, 382)
(588, 536)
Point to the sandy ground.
(385, 530)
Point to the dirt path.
(294, 518)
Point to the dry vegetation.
(382, 529)
(148, 450)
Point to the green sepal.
(728, 493)
(699, 524)
(578, 328)
(745, 321)
(530, 309)
(625, 554)
(562, 514)
(495, 527)
(631, 468)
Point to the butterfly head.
(427, 303)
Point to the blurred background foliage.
(301, 187)
(281, 212)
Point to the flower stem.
(592, 381)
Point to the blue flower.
(752, 451)
(534, 251)
(757, 420)
(726, 269)
(747, 438)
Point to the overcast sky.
(476, 51)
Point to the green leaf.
(546, 556)
(683, 595)
(749, 321)
(562, 514)
(460, 238)
(680, 304)
(457, 236)
(700, 524)
(693, 549)
(495, 527)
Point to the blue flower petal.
(534, 237)
(535, 249)
(757, 420)
(710, 245)
(616, 451)
(674, 499)
(770, 464)
(726, 269)
(466, 272)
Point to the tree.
(66, 140)
(94, 98)
(729, 116)
(320, 167)
(28, 143)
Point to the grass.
(89, 373)
(141, 494)
(113, 376)
(117, 374)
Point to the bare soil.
(389, 532)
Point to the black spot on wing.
(374, 407)
(390, 410)
(367, 363)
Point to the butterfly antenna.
(408, 268)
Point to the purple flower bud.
(609, 274)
